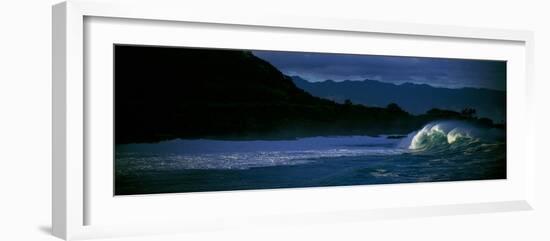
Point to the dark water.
(445, 151)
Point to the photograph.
(190, 119)
(275, 120)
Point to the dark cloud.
(450, 73)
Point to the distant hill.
(164, 93)
(413, 98)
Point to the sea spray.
(450, 135)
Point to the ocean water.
(440, 151)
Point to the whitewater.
(439, 151)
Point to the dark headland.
(164, 93)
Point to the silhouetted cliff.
(165, 93)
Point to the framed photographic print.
(175, 120)
(206, 119)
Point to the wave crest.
(445, 135)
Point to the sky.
(438, 72)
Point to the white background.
(25, 120)
(190, 210)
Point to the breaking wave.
(452, 136)
(444, 139)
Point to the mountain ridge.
(426, 97)
(294, 77)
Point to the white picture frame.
(74, 198)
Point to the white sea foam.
(241, 160)
(449, 135)
(227, 155)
